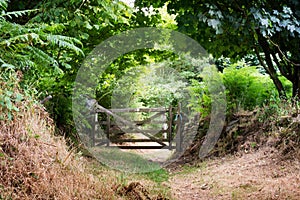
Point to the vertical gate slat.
(108, 129)
(170, 126)
(179, 129)
(174, 130)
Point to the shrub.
(246, 87)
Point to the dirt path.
(258, 175)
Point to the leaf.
(8, 103)
(214, 23)
(19, 97)
(291, 28)
(88, 26)
(9, 66)
(264, 22)
(19, 13)
(9, 116)
(16, 109)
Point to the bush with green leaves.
(10, 94)
(246, 87)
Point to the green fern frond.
(42, 56)
(26, 64)
(19, 13)
(25, 38)
(3, 5)
(54, 28)
(6, 65)
(65, 42)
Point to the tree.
(89, 22)
(28, 47)
(268, 29)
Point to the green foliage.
(89, 21)
(246, 87)
(201, 99)
(10, 95)
(158, 176)
(36, 51)
(27, 46)
(207, 92)
(159, 85)
(236, 29)
(126, 75)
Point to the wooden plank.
(135, 140)
(129, 124)
(179, 129)
(107, 128)
(149, 120)
(145, 147)
(135, 132)
(117, 110)
(170, 123)
(138, 123)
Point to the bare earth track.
(257, 175)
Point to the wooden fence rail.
(115, 126)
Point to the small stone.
(204, 186)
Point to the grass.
(242, 191)
(188, 169)
(35, 164)
(158, 176)
(124, 161)
(44, 167)
(154, 181)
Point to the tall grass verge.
(35, 164)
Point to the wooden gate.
(117, 128)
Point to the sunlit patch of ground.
(259, 175)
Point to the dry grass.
(34, 164)
(256, 175)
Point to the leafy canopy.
(235, 29)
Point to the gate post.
(179, 136)
(107, 129)
(170, 123)
(94, 124)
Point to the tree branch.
(281, 68)
(269, 64)
(283, 55)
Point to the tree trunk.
(296, 83)
(273, 75)
(268, 64)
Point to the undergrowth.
(35, 164)
(276, 124)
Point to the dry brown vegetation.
(257, 157)
(257, 175)
(34, 164)
(247, 131)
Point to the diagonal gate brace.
(129, 124)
